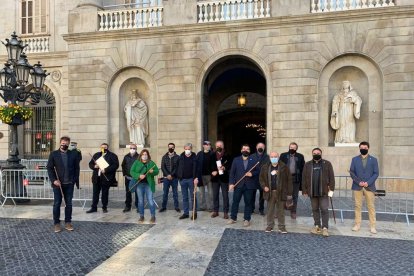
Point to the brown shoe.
(293, 215)
(152, 220)
(68, 226)
(141, 219)
(214, 214)
(268, 229)
(57, 228)
(226, 216)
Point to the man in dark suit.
(63, 171)
(242, 168)
(295, 162)
(74, 147)
(103, 178)
(364, 172)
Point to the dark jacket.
(284, 181)
(300, 163)
(327, 177)
(200, 161)
(368, 174)
(169, 165)
(262, 159)
(237, 171)
(226, 162)
(55, 162)
(110, 172)
(127, 163)
(195, 172)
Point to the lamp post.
(15, 89)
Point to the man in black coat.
(263, 158)
(63, 171)
(74, 147)
(295, 162)
(103, 178)
(126, 165)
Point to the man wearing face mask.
(364, 172)
(74, 147)
(169, 165)
(261, 157)
(295, 162)
(189, 175)
(220, 179)
(102, 179)
(63, 170)
(244, 171)
(276, 182)
(204, 163)
(126, 165)
(317, 180)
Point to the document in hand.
(102, 164)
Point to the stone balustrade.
(36, 44)
(130, 18)
(227, 10)
(343, 5)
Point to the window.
(34, 17)
(40, 130)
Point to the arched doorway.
(224, 117)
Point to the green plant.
(9, 111)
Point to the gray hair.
(188, 145)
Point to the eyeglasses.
(133, 148)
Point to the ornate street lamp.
(15, 89)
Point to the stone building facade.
(191, 60)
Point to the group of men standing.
(277, 178)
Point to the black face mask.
(218, 149)
(363, 151)
(105, 150)
(245, 153)
(170, 150)
(260, 150)
(292, 151)
(64, 147)
(317, 157)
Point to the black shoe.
(178, 210)
(262, 213)
(91, 211)
(104, 210)
(184, 216)
(126, 209)
(162, 210)
(195, 216)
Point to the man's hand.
(56, 183)
(365, 184)
(266, 189)
(96, 166)
(231, 187)
(214, 173)
(361, 184)
(77, 184)
(151, 171)
(195, 181)
(248, 174)
(169, 177)
(103, 171)
(142, 176)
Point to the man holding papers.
(104, 165)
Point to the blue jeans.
(67, 190)
(247, 195)
(142, 190)
(187, 185)
(166, 188)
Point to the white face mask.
(144, 157)
(187, 152)
(132, 151)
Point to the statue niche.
(136, 114)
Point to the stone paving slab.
(30, 247)
(247, 252)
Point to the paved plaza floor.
(115, 244)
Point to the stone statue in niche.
(346, 107)
(136, 113)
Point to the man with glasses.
(169, 164)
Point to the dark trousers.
(173, 183)
(97, 187)
(67, 190)
(261, 200)
(320, 206)
(216, 194)
(237, 195)
(128, 196)
(295, 194)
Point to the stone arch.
(366, 78)
(210, 63)
(120, 84)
